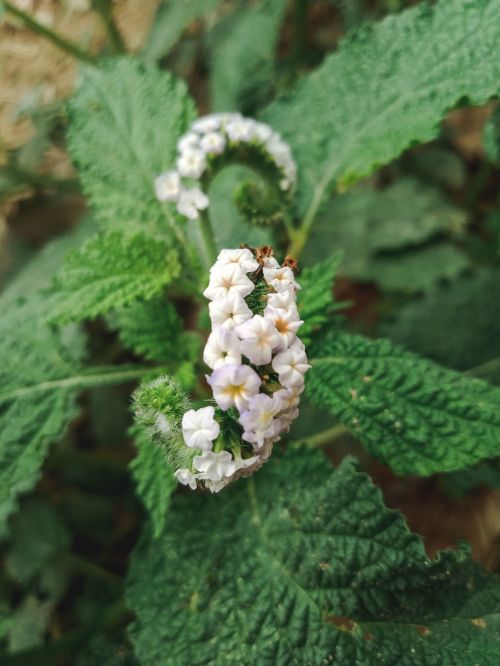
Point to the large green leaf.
(125, 120)
(305, 566)
(387, 87)
(110, 271)
(243, 54)
(409, 412)
(154, 479)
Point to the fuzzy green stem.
(321, 438)
(104, 10)
(208, 237)
(56, 39)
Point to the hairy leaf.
(410, 413)
(125, 120)
(387, 87)
(153, 329)
(315, 299)
(242, 60)
(110, 271)
(278, 571)
(154, 479)
(172, 19)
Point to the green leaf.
(125, 120)
(387, 87)
(110, 271)
(469, 306)
(414, 415)
(243, 51)
(153, 329)
(154, 479)
(315, 300)
(279, 571)
(172, 19)
(37, 537)
(392, 236)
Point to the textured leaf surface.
(469, 306)
(125, 120)
(315, 300)
(242, 60)
(110, 271)
(154, 479)
(172, 18)
(293, 572)
(410, 413)
(387, 87)
(153, 329)
(385, 235)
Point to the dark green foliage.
(278, 571)
(456, 324)
(410, 413)
(394, 236)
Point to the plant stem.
(322, 438)
(104, 10)
(208, 237)
(299, 30)
(65, 45)
(88, 378)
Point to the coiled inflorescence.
(209, 141)
(257, 365)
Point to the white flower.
(241, 129)
(291, 366)
(190, 202)
(226, 281)
(288, 397)
(263, 132)
(242, 257)
(287, 418)
(287, 323)
(298, 345)
(270, 262)
(234, 385)
(199, 428)
(258, 419)
(222, 347)
(285, 300)
(259, 338)
(281, 279)
(186, 477)
(213, 143)
(191, 163)
(168, 186)
(214, 466)
(229, 312)
(188, 142)
(206, 124)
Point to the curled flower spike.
(257, 365)
(207, 140)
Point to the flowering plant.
(262, 308)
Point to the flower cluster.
(208, 138)
(257, 367)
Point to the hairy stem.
(104, 10)
(87, 378)
(207, 233)
(64, 44)
(324, 437)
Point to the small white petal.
(222, 347)
(259, 338)
(168, 186)
(226, 281)
(186, 477)
(214, 466)
(229, 312)
(291, 366)
(199, 428)
(234, 385)
(191, 163)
